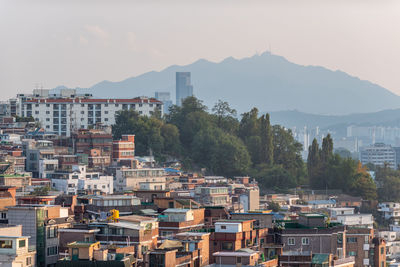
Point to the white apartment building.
(378, 154)
(63, 115)
(79, 180)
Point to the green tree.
(314, 164)
(172, 143)
(274, 206)
(221, 153)
(267, 146)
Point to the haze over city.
(78, 44)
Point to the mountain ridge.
(267, 81)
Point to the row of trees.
(217, 141)
(329, 170)
(220, 143)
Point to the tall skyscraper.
(165, 97)
(184, 88)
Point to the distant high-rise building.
(379, 154)
(184, 88)
(164, 97)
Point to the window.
(82, 105)
(305, 241)
(105, 119)
(223, 226)
(352, 253)
(37, 112)
(28, 261)
(53, 251)
(51, 232)
(106, 112)
(382, 250)
(238, 259)
(82, 112)
(4, 215)
(352, 240)
(227, 246)
(21, 243)
(48, 105)
(291, 241)
(5, 244)
(75, 251)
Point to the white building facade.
(63, 115)
(79, 180)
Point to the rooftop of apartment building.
(96, 100)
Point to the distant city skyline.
(51, 43)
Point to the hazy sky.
(79, 43)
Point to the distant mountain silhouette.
(268, 82)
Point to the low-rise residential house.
(91, 254)
(148, 196)
(79, 234)
(213, 214)
(261, 219)
(36, 153)
(334, 212)
(348, 201)
(174, 221)
(79, 181)
(307, 258)
(175, 203)
(150, 185)
(127, 179)
(126, 205)
(196, 241)
(241, 257)
(14, 247)
(312, 233)
(212, 196)
(133, 230)
(232, 235)
(322, 204)
(356, 220)
(390, 211)
(392, 240)
(19, 180)
(41, 223)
